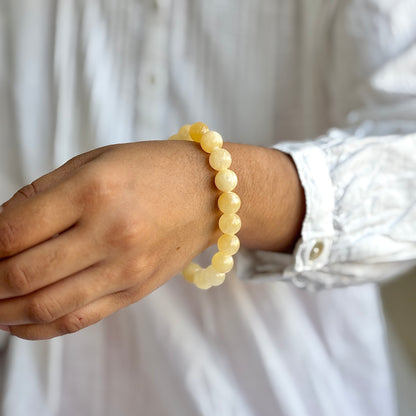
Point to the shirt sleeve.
(359, 180)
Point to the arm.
(359, 179)
(88, 238)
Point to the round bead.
(183, 132)
(200, 280)
(220, 159)
(226, 180)
(213, 276)
(175, 137)
(189, 271)
(228, 244)
(197, 130)
(210, 141)
(229, 203)
(222, 262)
(229, 223)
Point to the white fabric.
(76, 75)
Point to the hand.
(112, 225)
(101, 232)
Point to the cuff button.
(316, 250)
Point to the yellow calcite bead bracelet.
(228, 203)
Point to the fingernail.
(4, 328)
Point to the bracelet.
(228, 203)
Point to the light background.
(399, 303)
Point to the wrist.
(266, 207)
(273, 201)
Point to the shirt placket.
(152, 81)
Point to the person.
(329, 86)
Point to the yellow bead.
(189, 271)
(175, 137)
(220, 159)
(201, 281)
(183, 132)
(226, 180)
(229, 203)
(229, 223)
(222, 262)
(210, 141)
(228, 244)
(213, 276)
(197, 130)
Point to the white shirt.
(334, 84)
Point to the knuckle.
(72, 323)
(138, 268)
(8, 238)
(97, 186)
(130, 276)
(41, 311)
(28, 191)
(17, 279)
(127, 233)
(135, 271)
(124, 233)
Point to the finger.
(88, 314)
(75, 321)
(62, 298)
(38, 219)
(46, 263)
(53, 178)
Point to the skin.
(112, 225)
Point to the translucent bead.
(197, 130)
(220, 159)
(229, 223)
(200, 280)
(222, 262)
(226, 180)
(183, 132)
(210, 141)
(228, 244)
(175, 137)
(189, 271)
(229, 203)
(213, 276)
